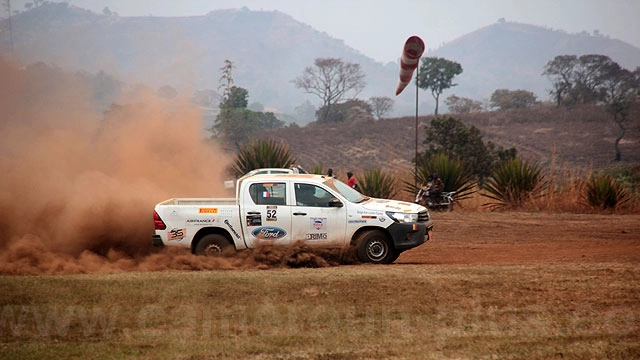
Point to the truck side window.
(311, 195)
(268, 193)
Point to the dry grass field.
(496, 285)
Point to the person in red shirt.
(351, 181)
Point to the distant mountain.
(270, 48)
(512, 56)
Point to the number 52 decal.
(272, 215)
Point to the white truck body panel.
(274, 209)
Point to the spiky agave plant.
(454, 174)
(317, 169)
(602, 191)
(262, 154)
(378, 184)
(512, 183)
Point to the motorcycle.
(442, 201)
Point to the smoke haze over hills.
(271, 48)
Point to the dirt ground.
(480, 237)
(459, 238)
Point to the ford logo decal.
(269, 233)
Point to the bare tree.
(331, 79)
(380, 105)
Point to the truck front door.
(266, 216)
(313, 220)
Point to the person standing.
(351, 181)
(330, 173)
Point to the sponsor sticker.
(357, 221)
(254, 220)
(318, 223)
(176, 234)
(272, 213)
(269, 233)
(208, 210)
(322, 236)
(232, 229)
(200, 221)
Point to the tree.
(348, 111)
(331, 79)
(268, 120)
(579, 80)
(560, 72)
(226, 80)
(237, 125)
(588, 76)
(452, 137)
(235, 122)
(237, 98)
(620, 88)
(381, 105)
(504, 99)
(598, 79)
(462, 105)
(436, 75)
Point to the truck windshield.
(346, 191)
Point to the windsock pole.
(411, 53)
(415, 176)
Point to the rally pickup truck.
(314, 210)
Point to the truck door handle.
(253, 213)
(299, 213)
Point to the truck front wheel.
(374, 247)
(213, 245)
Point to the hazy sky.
(378, 29)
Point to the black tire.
(214, 245)
(375, 247)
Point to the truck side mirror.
(335, 203)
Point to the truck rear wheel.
(213, 245)
(374, 247)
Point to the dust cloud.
(78, 186)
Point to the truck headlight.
(403, 217)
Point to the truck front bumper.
(406, 236)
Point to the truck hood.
(382, 205)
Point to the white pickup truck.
(287, 209)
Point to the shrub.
(378, 184)
(602, 191)
(512, 183)
(453, 172)
(262, 154)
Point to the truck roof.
(285, 176)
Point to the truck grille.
(423, 216)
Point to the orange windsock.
(411, 53)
